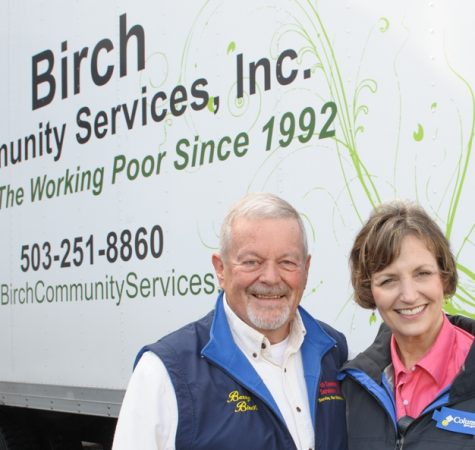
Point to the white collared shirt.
(148, 418)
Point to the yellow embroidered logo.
(242, 403)
(326, 398)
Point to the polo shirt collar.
(430, 362)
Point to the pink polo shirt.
(418, 386)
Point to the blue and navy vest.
(223, 404)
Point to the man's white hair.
(259, 205)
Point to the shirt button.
(263, 345)
(298, 409)
(255, 355)
(405, 402)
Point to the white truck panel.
(398, 75)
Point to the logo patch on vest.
(241, 403)
(455, 420)
(329, 390)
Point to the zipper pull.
(399, 443)
(402, 425)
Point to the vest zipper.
(399, 443)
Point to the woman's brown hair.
(378, 244)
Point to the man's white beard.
(268, 318)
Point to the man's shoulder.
(333, 332)
(189, 330)
(187, 340)
(325, 336)
(310, 321)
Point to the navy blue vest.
(224, 405)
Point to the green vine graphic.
(350, 108)
(360, 182)
(319, 44)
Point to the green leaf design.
(419, 134)
(384, 24)
(372, 318)
(231, 47)
(211, 104)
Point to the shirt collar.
(430, 362)
(253, 343)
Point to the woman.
(414, 387)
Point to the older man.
(258, 372)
